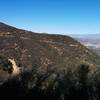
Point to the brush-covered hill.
(45, 55)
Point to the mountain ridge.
(43, 53)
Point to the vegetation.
(63, 68)
(79, 85)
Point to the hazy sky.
(53, 16)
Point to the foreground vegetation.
(80, 85)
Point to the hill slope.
(44, 54)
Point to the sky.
(52, 16)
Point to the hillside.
(44, 51)
(45, 55)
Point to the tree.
(83, 71)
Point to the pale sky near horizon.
(53, 16)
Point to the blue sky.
(53, 16)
